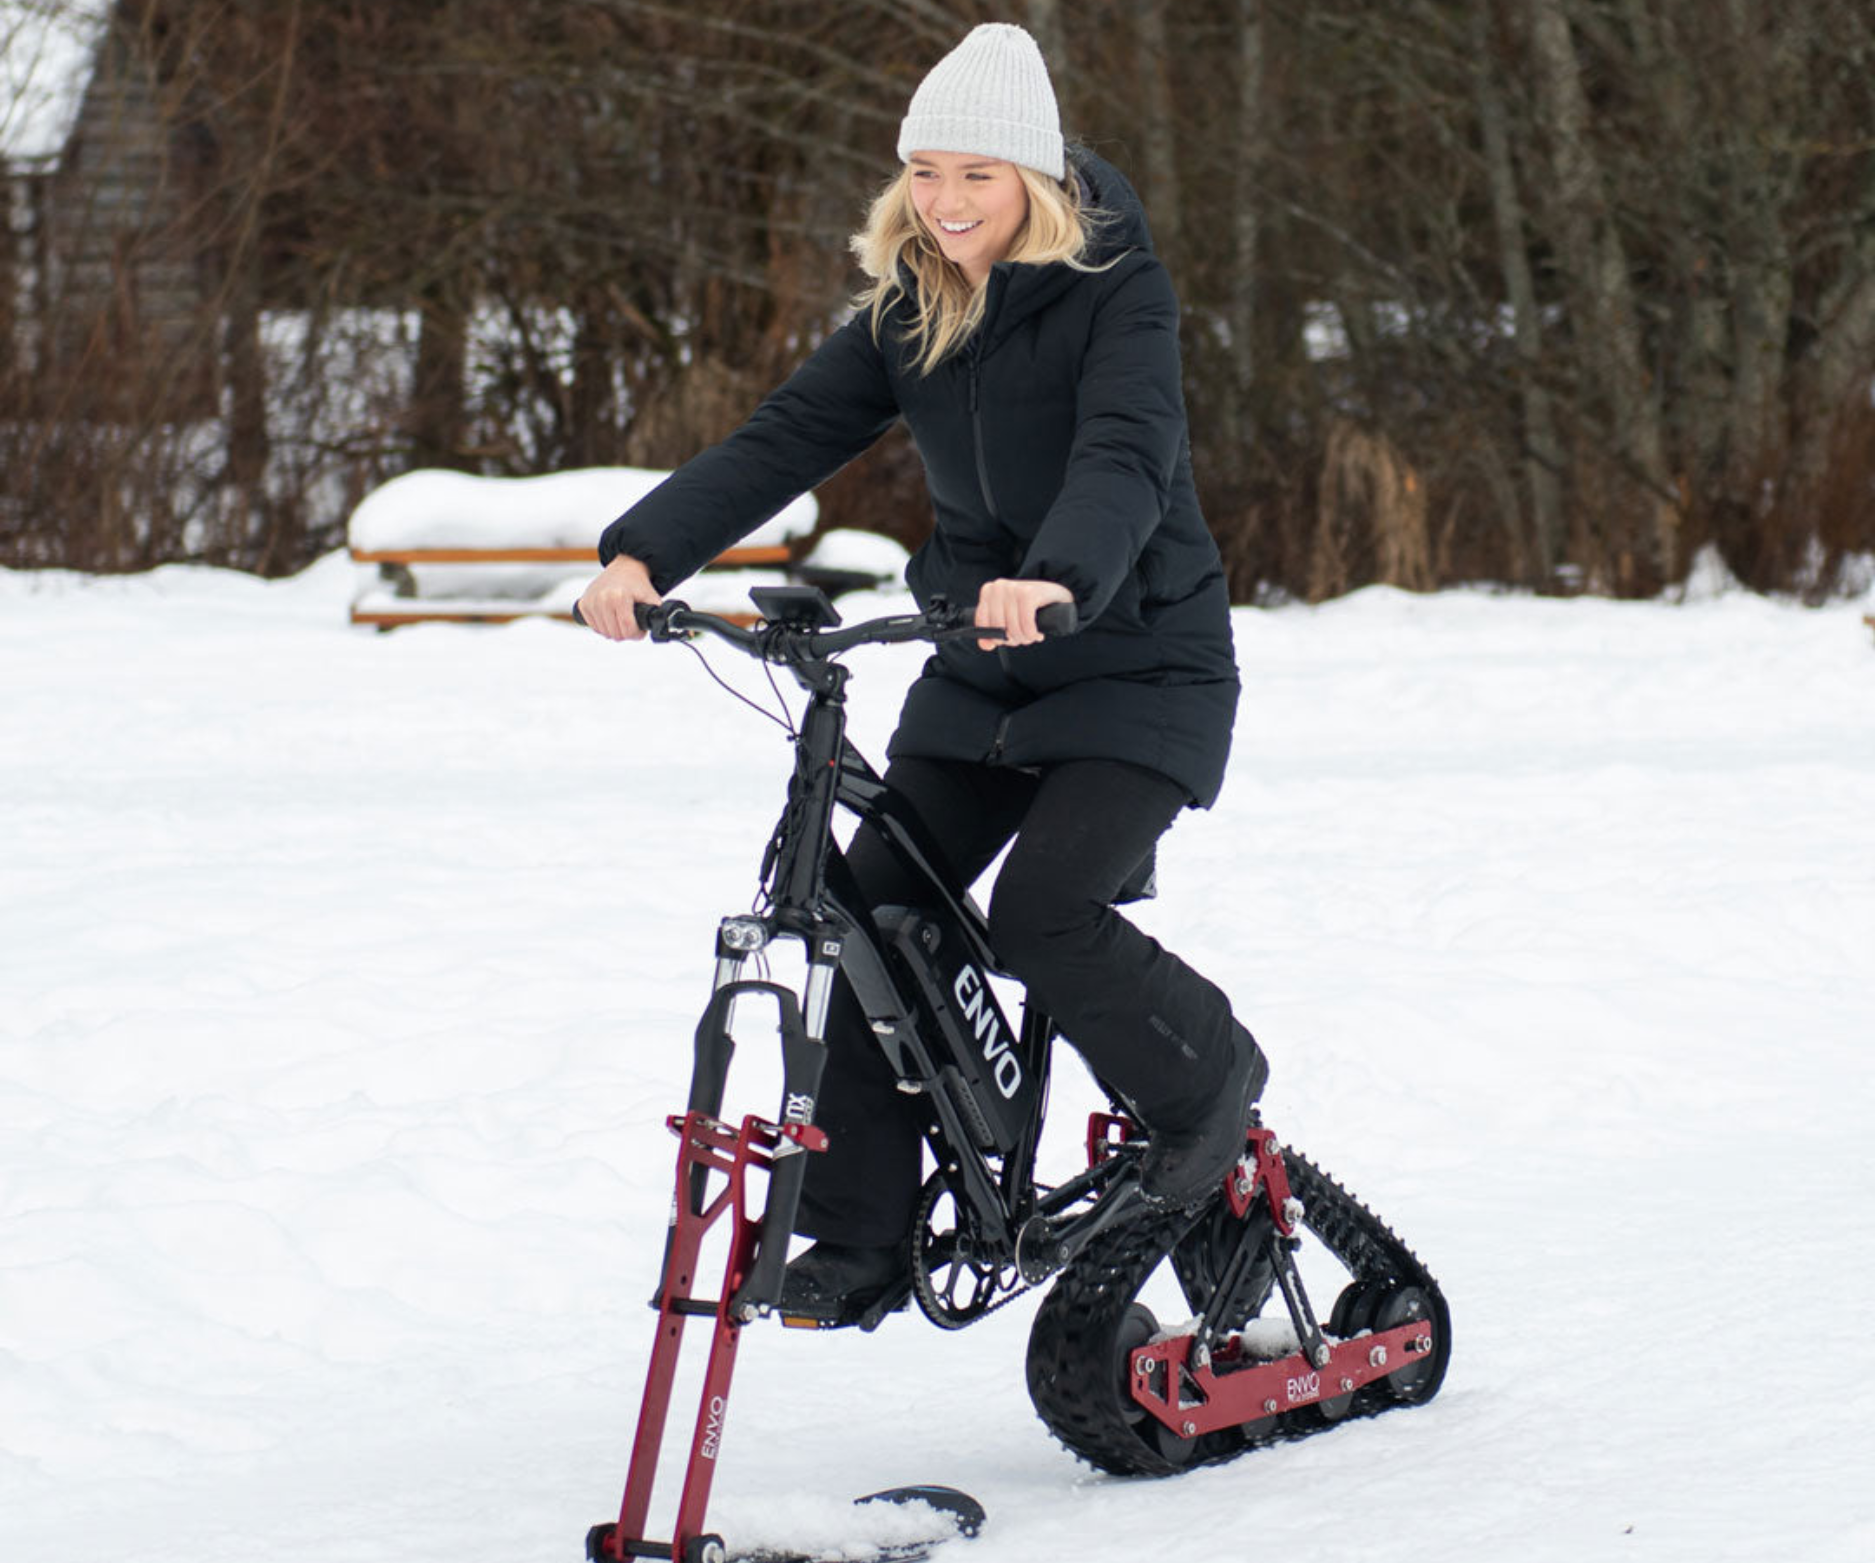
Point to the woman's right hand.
(608, 605)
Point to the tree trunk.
(1757, 187)
(437, 396)
(247, 503)
(1246, 213)
(1542, 450)
(1158, 128)
(1593, 255)
(1836, 366)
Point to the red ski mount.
(705, 1145)
(1231, 1391)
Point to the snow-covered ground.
(345, 980)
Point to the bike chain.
(929, 1303)
(1077, 1384)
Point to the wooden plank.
(390, 619)
(773, 556)
(387, 619)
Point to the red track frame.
(1225, 1392)
(704, 1145)
(1221, 1394)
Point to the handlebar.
(797, 644)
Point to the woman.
(1019, 323)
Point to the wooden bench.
(395, 566)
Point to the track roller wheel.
(1136, 1329)
(1420, 1380)
(1354, 1309)
(1352, 1313)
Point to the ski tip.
(964, 1510)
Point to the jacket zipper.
(976, 429)
(991, 303)
(994, 757)
(983, 483)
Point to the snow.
(345, 980)
(438, 509)
(441, 509)
(46, 52)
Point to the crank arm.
(1046, 1243)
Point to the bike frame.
(920, 973)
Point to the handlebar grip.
(1057, 619)
(641, 611)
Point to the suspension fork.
(803, 1061)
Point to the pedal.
(868, 1318)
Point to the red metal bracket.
(1262, 1169)
(1107, 1132)
(705, 1145)
(1225, 1392)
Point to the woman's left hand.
(1011, 606)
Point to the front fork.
(757, 1246)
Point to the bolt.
(1377, 1358)
(1143, 1367)
(1191, 1429)
(1269, 1407)
(1347, 1384)
(1321, 1355)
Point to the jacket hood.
(1118, 229)
(1120, 222)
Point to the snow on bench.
(437, 546)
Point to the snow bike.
(1111, 1383)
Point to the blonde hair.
(946, 306)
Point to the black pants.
(1145, 1021)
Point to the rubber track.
(1074, 1379)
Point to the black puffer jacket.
(1055, 447)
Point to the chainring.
(956, 1276)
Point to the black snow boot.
(835, 1284)
(1183, 1166)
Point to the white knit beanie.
(991, 96)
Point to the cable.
(785, 721)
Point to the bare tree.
(1528, 290)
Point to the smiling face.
(973, 206)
